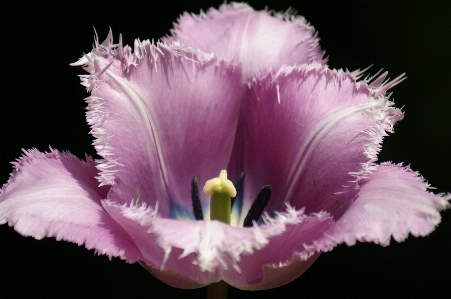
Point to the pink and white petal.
(158, 121)
(56, 195)
(172, 278)
(256, 39)
(202, 252)
(393, 201)
(272, 265)
(278, 275)
(312, 133)
(150, 233)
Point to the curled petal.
(158, 121)
(257, 40)
(56, 195)
(287, 255)
(313, 133)
(159, 257)
(202, 252)
(278, 275)
(392, 202)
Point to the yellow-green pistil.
(221, 190)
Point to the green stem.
(217, 290)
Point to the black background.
(42, 104)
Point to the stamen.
(197, 207)
(238, 186)
(258, 206)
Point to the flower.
(167, 112)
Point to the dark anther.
(238, 186)
(197, 207)
(258, 206)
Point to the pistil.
(223, 194)
(221, 190)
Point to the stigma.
(220, 185)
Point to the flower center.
(221, 190)
(223, 193)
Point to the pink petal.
(392, 202)
(286, 256)
(191, 254)
(257, 40)
(312, 134)
(56, 195)
(158, 121)
(148, 232)
(278, 275)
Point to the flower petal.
(158, 121)
(278, 275)
(151, 232)
(311, 131)
(203, 252)
(257, 40)
(287, 255)
(56, 195)
(393, 202)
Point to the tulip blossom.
(243, 103)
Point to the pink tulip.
(231, 89)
